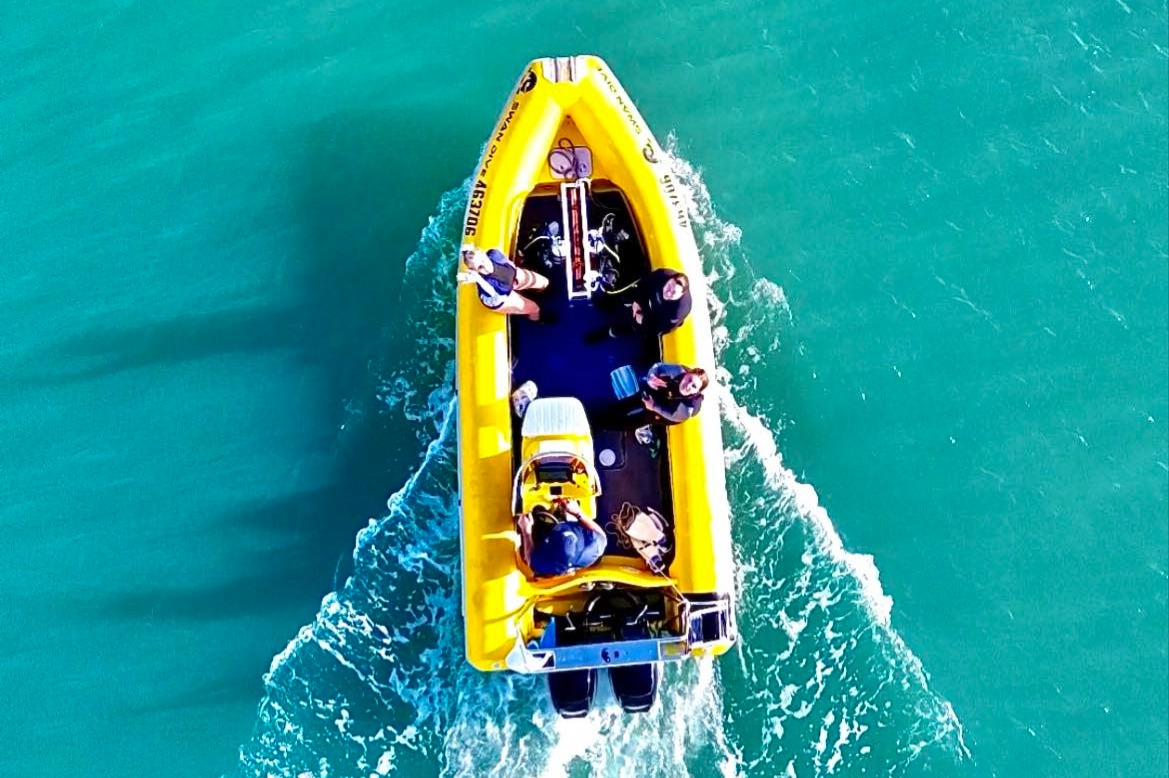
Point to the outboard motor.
(626, 615)
(636, 686)
(572, 691)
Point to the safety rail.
(543, 657)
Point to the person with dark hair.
(562, 542)
(668, 394)
(656, 305)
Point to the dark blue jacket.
(565, 546)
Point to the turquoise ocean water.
(939, 240)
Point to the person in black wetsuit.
(657, 304)
(670, 394)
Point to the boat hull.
(580, 100)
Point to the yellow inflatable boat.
(572, 185)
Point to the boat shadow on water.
(353, 219)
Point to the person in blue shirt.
(571, 542)
(500, 281)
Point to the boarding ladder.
(579, 272)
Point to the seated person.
(500, 281)
(670, 394)
(655, 305)
(568, 543)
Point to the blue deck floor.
(559, 357)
